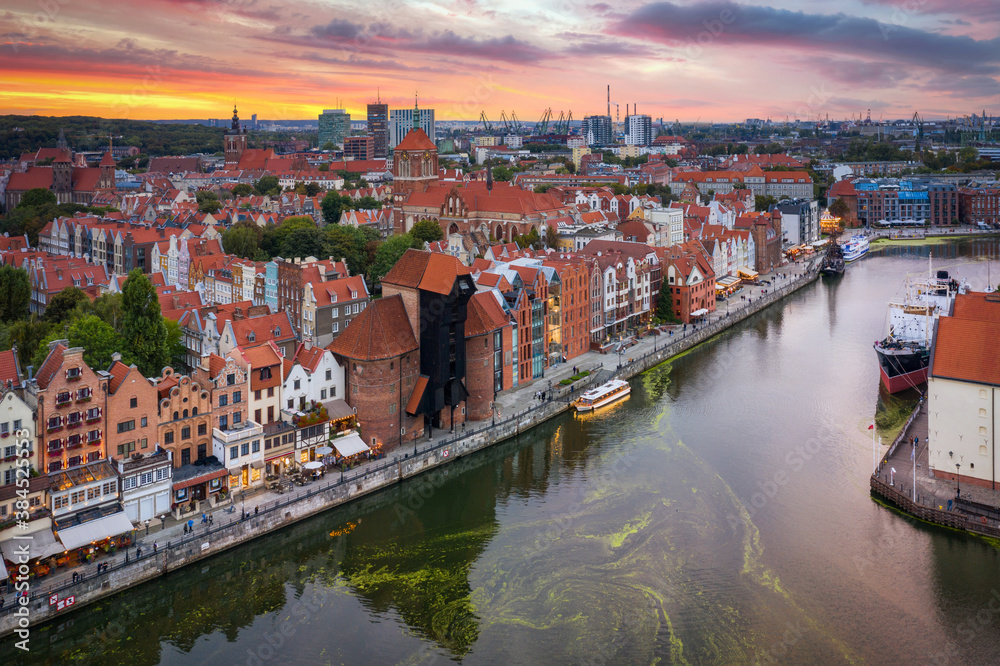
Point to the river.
(719, 515)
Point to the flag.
(871, 426)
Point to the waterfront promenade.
(167, 547)
(925, 496)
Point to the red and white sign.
(53, 598)
(66, 603)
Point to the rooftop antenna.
(609, 100)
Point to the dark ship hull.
(902, 367)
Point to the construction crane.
(486, 123)
(563, 124)
(542, 126)
(506, 122)
(515, 123)
(918, 124)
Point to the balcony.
(238, 433)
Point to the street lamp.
(958, 481)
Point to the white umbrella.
(315, 464)
(324, 450)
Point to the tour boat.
(855, 247)
(603, 395)
(904, 354)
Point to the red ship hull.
(904, 381)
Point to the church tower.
(62, 179)
(414, 167)
(235, 142)
(106, 181)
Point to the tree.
(333, 205)
(26, 334)
(551, 236)
(274, 236)
(241, 240)
(268, 185)
(144, 334)
(329, 145)
(427, 231)
(841, 209)
(665, 304)
(303, 242)
(763, 202)
(176, 351)
(389, 253)
(210, 206)
(968, 154)
(15, 293)
(63, 303)
(98, 339)
(111, 311)
(312, 189)
(367, 202)
(242, 190)
(37, 197)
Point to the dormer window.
(73, 373)
(277, 331)
(251, 336)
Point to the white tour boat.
(603, 395)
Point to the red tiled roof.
(309, 358)
(413, 404)
(977, 305)
(416, 139)
(484, 315)
(381, 331)
(51, 365)
(263, 328)
(9, 369)
(427, 271)
(963, 350)
(119, 371)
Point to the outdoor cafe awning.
(747, 273)
(41, 544)
(700, 313)
(95, 530)
(350, 445)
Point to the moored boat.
(904, 354)
(605, 394)
(855, 247)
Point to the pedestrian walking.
(204, 519)
(211, 519)
(138, 553)
(2, 602)
(154, 548)
(257, 508)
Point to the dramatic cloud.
(718, 24)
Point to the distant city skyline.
(712, 61)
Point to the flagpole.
(913, 454)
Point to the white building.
(963, 390)
(315, 376)
(17, 438)
(671, 217)
(145, 485)
(401, 122)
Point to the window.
(256, 415)
(126, 449)
(202, 429)
(147, 477)
(17, 424)
(133, 402)
(110, 488)
(223, 422)
(322, 394)
(186, 432)
(234, 452)
(270, 392)
(59, 502)
(162, 473)
(177, 415)
(237, 397)
(129, 483)
(143, 422)
(256, 395)
(185, 412)
(93, 493)
(336, 327)
(270, 414)
(77, 497)
(168, 437)
(329, 374)
(291, 403)
(55, 466)
(230, 379)
(125, 426)
(223, 400)
(245, 449)
(256, 446)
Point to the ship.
(833, 260)
(855, 247)
(605, 394)
(904, 354)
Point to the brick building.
(485, 354)
(689, 276)
(980, 204)
(381, 360)
(575, 306)
(435, 289)
(359, 148)
(131, 406)
(185, 420)
(65, 395)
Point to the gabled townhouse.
(328, 307)
(313, 375)
(133, 417)
(17, 439)
(65, 395)
(277, 328)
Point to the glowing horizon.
(711, 61)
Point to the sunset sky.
(709, 61)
